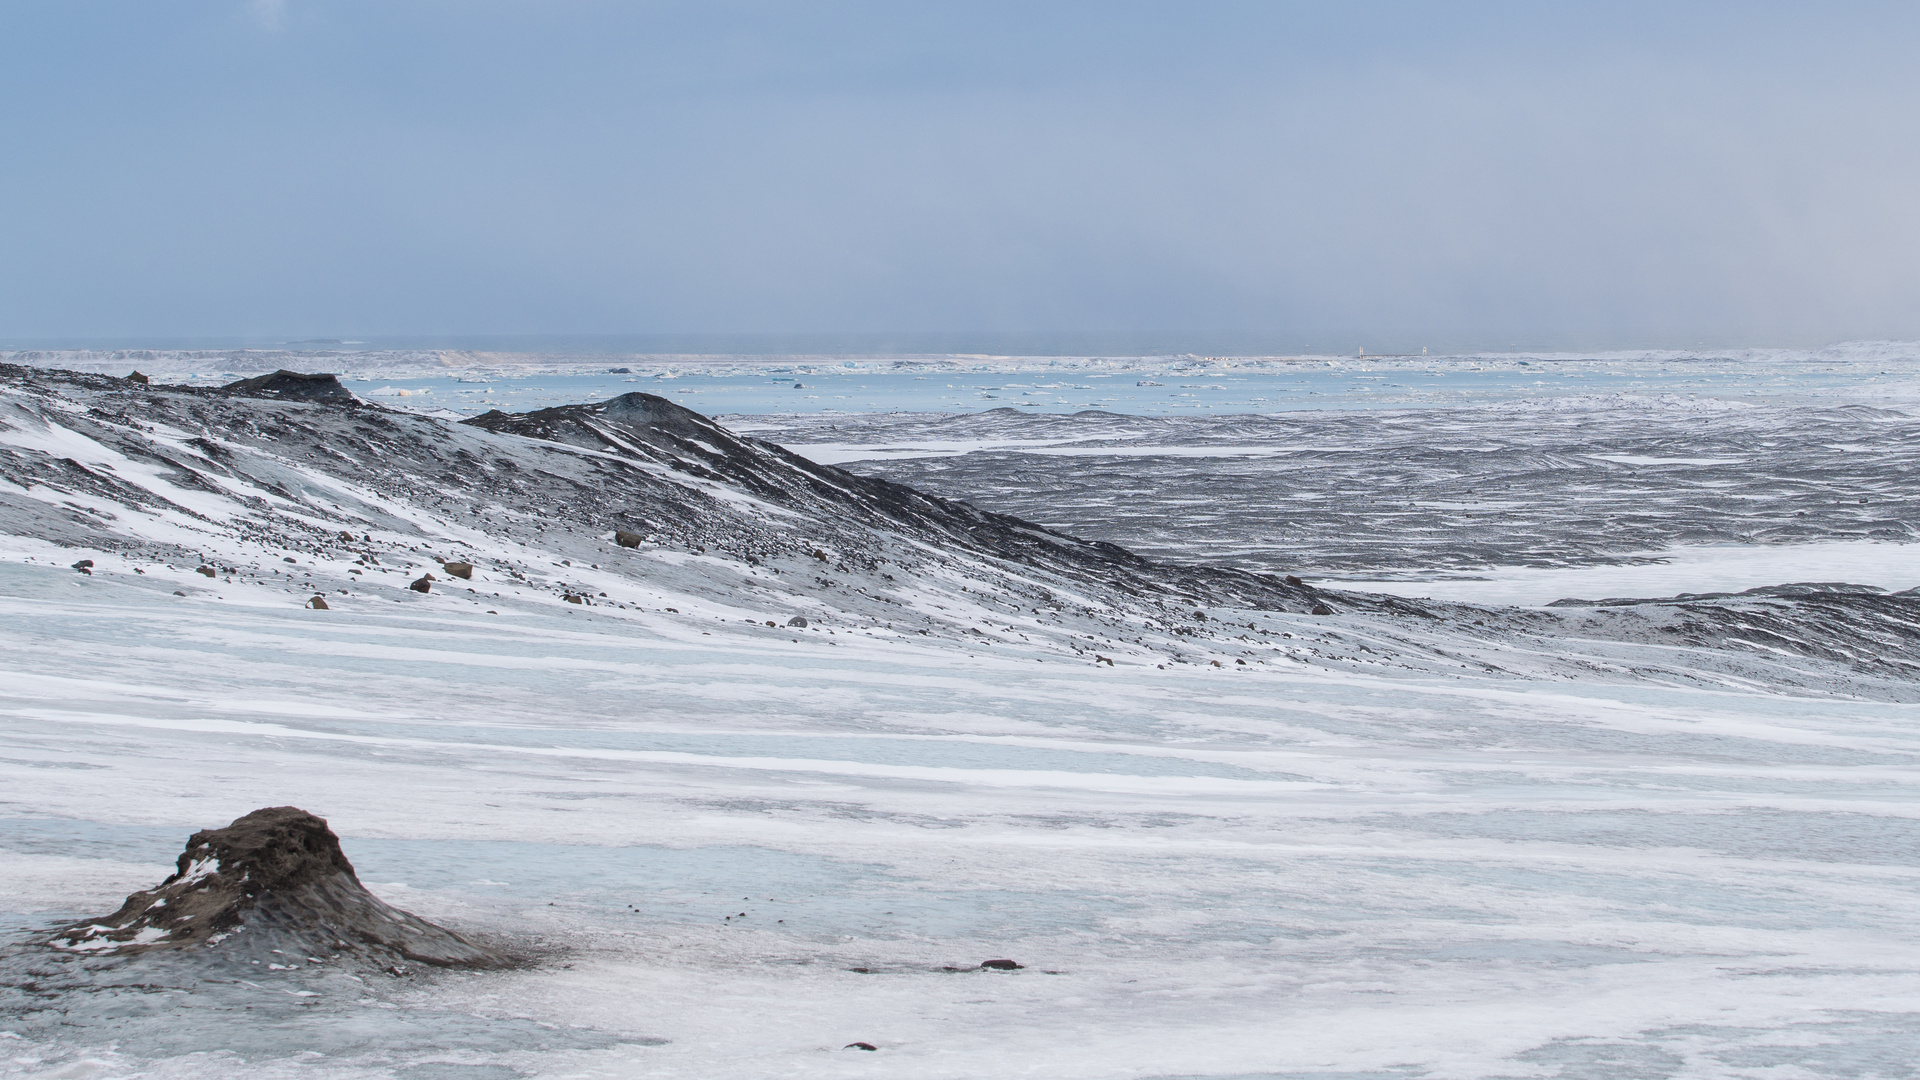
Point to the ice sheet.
(1383, 846)
(1704, 569)
(1448, 876)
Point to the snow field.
(1235, 873)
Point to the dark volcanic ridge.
(273, 883)
(639, 509)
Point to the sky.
(1318, 176)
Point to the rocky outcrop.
(294, 386)
(648, 428)
(276, 882)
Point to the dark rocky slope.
(303, 470)
(648, 428)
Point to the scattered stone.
(851, 1045)
(274, 879)
(1321, 609)
(1000, 965)
(797, 622)
(85, 566)
(206, 571)
(770, 622)
(461, 570)
(318, 603)
(424, 584)
(628, 539)
(136, 377)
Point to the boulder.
(318, 603)
(461, 570)
(1322, 609)
(422, 584)
(572, 599)
(206, 571)
(85, 566)
(797, 622)
(1000, 965)
(628, 539)
(136, 377)
(273, 885)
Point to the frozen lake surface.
(466, 383)
(1387, 844)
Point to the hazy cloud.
(1396, 173)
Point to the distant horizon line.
(909, 344)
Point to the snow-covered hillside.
(1225, 835)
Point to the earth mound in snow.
(275, 879)
(294, 386)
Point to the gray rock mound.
(294, 386)
(273, 881)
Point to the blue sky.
(1379, 174)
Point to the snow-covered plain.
(1389, 845)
